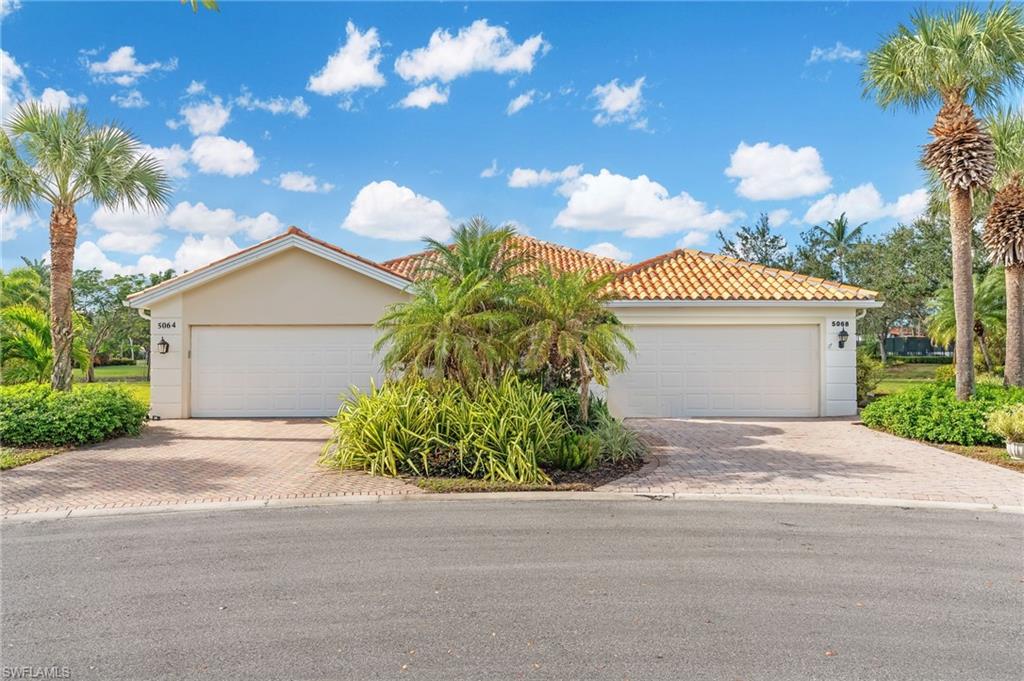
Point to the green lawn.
(125, 372)
(902, 376)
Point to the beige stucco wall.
(290, 287)
(838, 366)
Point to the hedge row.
(36, 415)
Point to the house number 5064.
(166, 325)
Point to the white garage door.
(719, 371)
(278, 371)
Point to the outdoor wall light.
(163, 346)
(843, 337)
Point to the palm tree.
(477, 248)
(208, 4)
(568, 331)
(26, 353)
(61, 159)
(838, 238)
(448, 331)
(961, 58)
(23, 286)
(988, 320)
(1004, 232)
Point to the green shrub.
(575, 452)
(412, 427)
(618, 443)
(568, 401)
(869, 375)
(34, 414)
(931, 412)
(945, 373)
(1008, 423)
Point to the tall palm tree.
(26, 352)
(987, 321)
(60, 158)
(961, 58)
(1004, 231)
(448, 331)
(839, 238)
(568, 330)
(208, 4)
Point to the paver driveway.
(809, 457)
(190, 461)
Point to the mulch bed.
(601, 475)
(561, 481)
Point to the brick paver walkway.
(808, 457)
(192, 461)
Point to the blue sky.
(657, 124)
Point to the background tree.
(757, 244)
(568, 334)
(987, 323)
(61, 159)
(101, 301)
(813, 256)
(837, 238)
(959, 58)
(1004, 232)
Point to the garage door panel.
(720, 371)
(278, 371)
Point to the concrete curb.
(635, 497)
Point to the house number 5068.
(839, 323)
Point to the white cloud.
(222, 222)
(206, 118)
(130, 243)
(13, 84)
(607, 249)
(838, 52)
(195, 88)
(638, 207)
(777, 218)
(620, 103)
(194, 253)
(491, 170)
(864, 203)
(89, 255)
(60, 100)
(122, 68)
(352, 67)
(8, 7)
(385, 210)
(12, 222)
(296, 181)
(477, 47)
(693, 239)
(128, 231)
(424, 97)
(220, 155)
(777, 172)
(130, 99)
(275, 105)
(173, 158)
(521, 102)
(527, 177)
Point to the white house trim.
(259, 252)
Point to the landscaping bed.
(561, 481)
(989, 454)
(12, 457)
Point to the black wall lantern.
(843, 337)
(163, 346)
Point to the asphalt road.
(509, 590)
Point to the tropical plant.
(59, 158)
(208, 4)
(838, 238)
(1004, 231)
(448, 331)
(1008, 423)
(869, 374)
(568, 335)
(23, 286)
(989, 315)
(757, 244)
(478, 250)
(26, 352)
(618, 443)
(961, 58)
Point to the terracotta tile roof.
(687, 274)
(559, 258)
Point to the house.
(283, 327)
